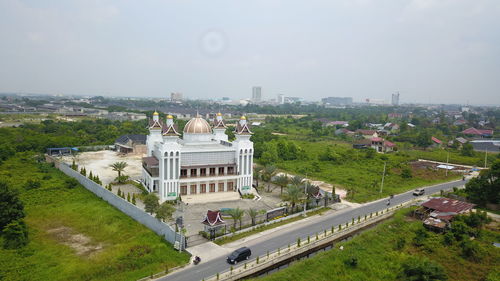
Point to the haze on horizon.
(437, 51)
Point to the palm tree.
(253, 213)
(296, 180)
(257, 174)
(294, 195)
(281, 181)
(119, 167)
(236, 215)
(267, 175)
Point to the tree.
(420, 236)
(133, 199)
(15, 235)
(467, 150)
(165, 211)
(253, 213)
(128, 197)
(294, 195)
(281, 181)
(256, 174)
(151, 203)
(237, 215)
(119, 167)
(11, 207)
(267, 175)
(417, 268)
(485, 188)
(83, 171)
(424, 139)
(370, 153)
(296, 180)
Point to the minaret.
(170, 162)
(155, 129)
(244, 155)
(219, 129)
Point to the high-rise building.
(337, 101)
(395, 99)
(256, 94)
(176, 96)
(281, 99)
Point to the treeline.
(49, 133)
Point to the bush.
(32, 184)
(70, 183)
(420, 236)
(472, 250)
(420, 268)
(15, 235)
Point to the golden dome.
(219, 114)
(197, 125)
(156, 113)
(170, 117)
(243, 118)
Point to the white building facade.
(202, 161)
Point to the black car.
(239, 255)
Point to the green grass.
(361, 175)
(379, 259)
(259, 229)
(455, 157)
(129, 250)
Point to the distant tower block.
(256, 94)
(395, 99)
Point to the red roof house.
(478, 132)
(436, 140)
(446, 208)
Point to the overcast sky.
(439, 51)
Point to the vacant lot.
(98, 162)
(361, 174)
(74, 235)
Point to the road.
(289, 236)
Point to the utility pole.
(383, 175)
(447, 160)
(305, 192)
(486, 158)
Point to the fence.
(129, 209)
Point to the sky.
(431, 51)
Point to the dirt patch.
(82, 244)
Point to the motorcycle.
(196, 260)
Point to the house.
(344, 131)
(438, 212)
(491, 146)
(483, 133)
(436, 142)
(391, 127)
(131, 144)
(410, 125)
(379, 144)
(395, 115)
(367, 134)
(459, 122)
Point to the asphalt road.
(261, 246)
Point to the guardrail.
(305, 244)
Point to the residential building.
(478, 132)
(176, 97)
(281, 99)
(135, 144)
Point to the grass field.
(379, 257)
(359, 174)
(74, 235)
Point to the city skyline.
(429, 51)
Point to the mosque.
(202, 161)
